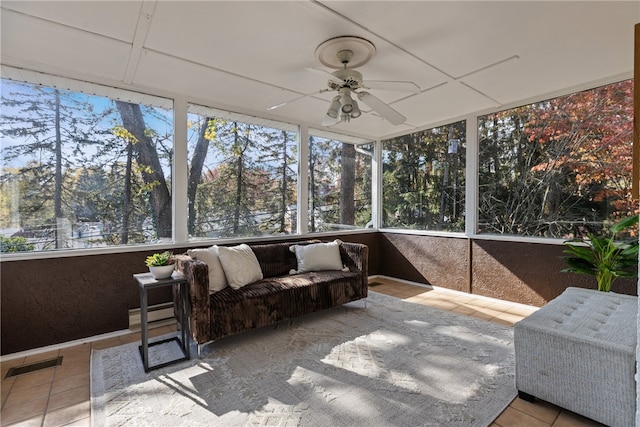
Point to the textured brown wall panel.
(528, 273)
(51, 301)
(437, 261)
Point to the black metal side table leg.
(183, 312)
(144, 332)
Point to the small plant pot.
(161, 271)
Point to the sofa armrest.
(355, 256)
(197, 274)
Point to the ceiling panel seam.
(69, 27)
(448, 76)
(240, 76)
(142, 29)
(386, 40)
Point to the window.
(80, 170)
(557, 168)
(424, 179)
(242, 175)
(339, 183)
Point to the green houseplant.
(161, 264)
(603, 256)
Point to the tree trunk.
(195, 175)
(312, 187)
(347, 184)
(239, 171)
(126, 205)
(57, 196)
(445, 182)
(283, 185)
(133, 121)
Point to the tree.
(36, 123)
(324, 186)
(422, 172)
(15, 244)
(226, 195)
(557, 168)
(152, 173)
(206, 133)
(313, 158)
(247, 183)
(276, 159)
(338, 193)
(347, 183)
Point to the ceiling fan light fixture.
(334, 108)
(355, 113)
(346, 103)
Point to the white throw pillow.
(317, 256)
(240, 265)
(217, 279)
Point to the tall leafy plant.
(603, 256)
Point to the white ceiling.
(248, 56)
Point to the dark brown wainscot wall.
(527, 273)
(51, 301)
(55, 300)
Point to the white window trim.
(303, 181)
(180, 176)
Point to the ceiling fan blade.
(328, 120)
(398, 86)
(381, 108)
(282, 104)
(327, 75)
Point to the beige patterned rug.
(392, 363)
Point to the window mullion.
(180, 171)
(471, 174)
(303, 181)
(376, 185)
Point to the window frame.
(206, 111)
(76, 87)
(328, 136)
(179, 172)
(429, 232)
(472, 233)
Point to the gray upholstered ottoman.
(578, 352)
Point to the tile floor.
(59, 396)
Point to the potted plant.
(604, 257)
(161, 265)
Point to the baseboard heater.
(156, 313)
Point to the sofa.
(579, 352)
(289, 286)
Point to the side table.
(145, 282)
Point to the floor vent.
(32, 367)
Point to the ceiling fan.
(344, 54)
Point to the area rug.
(391, 363)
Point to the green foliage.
(248, 180)
(76, 157)
(424, 179)
(558, 168)
(160, 259)
(339, 184)
(15, 244)
(603, 257)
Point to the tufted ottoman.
(578, 352)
